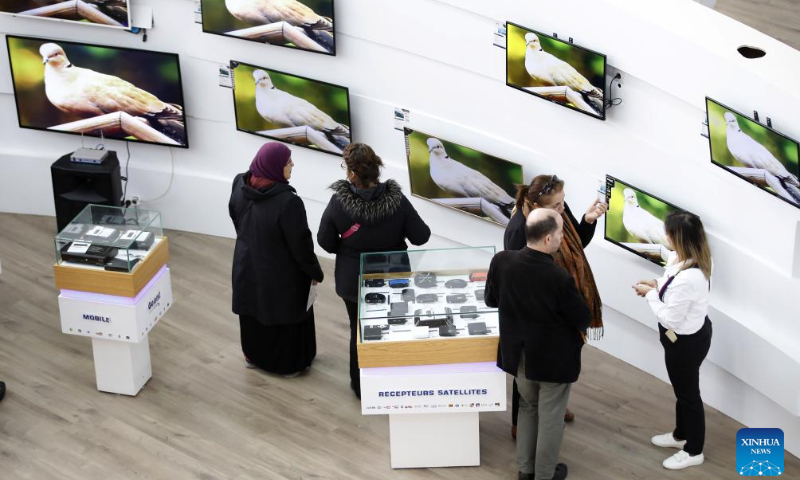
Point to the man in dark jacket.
(542, 316)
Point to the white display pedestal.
(121, 367)
(433, 410)
(434, 440)
(119, 328)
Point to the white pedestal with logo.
(434, 410)
(119, 328)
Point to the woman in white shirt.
(679, 300)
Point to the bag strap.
(350, 231)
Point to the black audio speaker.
(76, 185)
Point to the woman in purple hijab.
(274, 265)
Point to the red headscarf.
(268, 164)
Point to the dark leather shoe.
(514, 432)
(2, 390)
(525, 476)
(569, 416)
(561, 472)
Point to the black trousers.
(355, 374)
(683, 359)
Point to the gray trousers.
(540, 426)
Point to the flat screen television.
(105, 13)
(555, 70)
(293, 109)
(754, 152)
(303, 24)
(461, 178)
(95, 90)
(635, 221)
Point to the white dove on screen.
(548, 70)
(458, 179)
(87, 93)
(640, 223)
(286, 110)
(752, 154)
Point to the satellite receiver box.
(89, 155)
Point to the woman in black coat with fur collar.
(274, 265)
(365, 215)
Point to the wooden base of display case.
(97, 280)
(434, 351)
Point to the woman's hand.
(595, 211)
(642, 289)
(651, 283)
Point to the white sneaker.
(682, 460)
(667, 441)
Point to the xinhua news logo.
(759, 452)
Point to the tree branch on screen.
(304, 135)
(78, 7)
(650, 250)
(477, 204)
(112, 123)
(563, 94)
(280, 32)
(764, 178)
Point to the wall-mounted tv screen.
(290, 108)
(635, 221)
(302, 24)
(555, 70)
(460, 177)
(106, 13)
(754, 152)
(96, 90)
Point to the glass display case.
(109, 238)
(420, 295)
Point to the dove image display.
(555, 70)
(635, 221)
(106, 13)
(87, 89)
(302, 24)
(293, 109)
(462, 178)
(754, 152)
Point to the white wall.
(436, 58)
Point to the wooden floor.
(777, 18)
(204, 416)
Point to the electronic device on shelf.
(469, 311)
(374, 282)
(397, 321)
(433, 319)
(408, 295)
(143, 240)
(425, 280)
(373, 298)
(448, 331)
(399, 283)
(478, 276)
(456, 283)
(84, 252)
(398, 309)
(479, 294)
(456, 298)
(427, 298)
(373, 332)
(477, 328)
(119, 265)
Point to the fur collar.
(368, 211)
